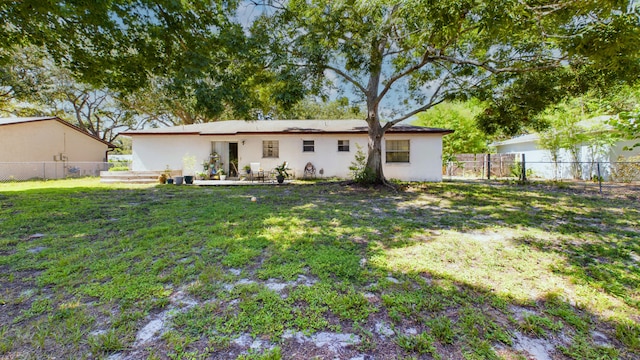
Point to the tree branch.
(432, 102)
(491, 69)
(346, 77)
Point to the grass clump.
(450, 264)
(421, 344)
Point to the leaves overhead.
(402, 57)
(195, 47)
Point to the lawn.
(444, 271)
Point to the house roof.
(589, 125)
(518, 140)
(236, 127)
(26, 120)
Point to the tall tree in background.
(34, 85)
(417, 53)
(467, 138)
(191, 50)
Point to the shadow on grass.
(131, 249)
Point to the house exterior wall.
(42, 140)
(48, 149)
(540, 162)
(157, 152)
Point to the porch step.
(138, 177)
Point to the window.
(308, 146)
(343, 145)
(270, 149)
(397, 151)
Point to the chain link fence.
(21, 171)
(596, 175)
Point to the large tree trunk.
(374, 158)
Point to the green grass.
(456, 270)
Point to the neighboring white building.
(48, 147)
(540, 162)
(411, 153)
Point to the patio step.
(137, 177)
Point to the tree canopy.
(400, 58)
(467, 138)
(193, 50)
(404, 57)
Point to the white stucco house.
(410, 153)
(540, 161)
(48, 147)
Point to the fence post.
(488, 166)
(599, 178)
(524, 169)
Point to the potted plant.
(222, 174)
(165, 177)
(282, 172)
(247, 169)
(188, 168)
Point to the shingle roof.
(19, 120)
(233, 127)
(25, 120)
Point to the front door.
(233, 159)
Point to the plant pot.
(188, 179)
(178, 180)
(280, 179)
(169, 181)
(223, 177)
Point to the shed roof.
(27, 120)
(518, 140)
(234, 127)
(589, 125)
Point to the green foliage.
(458, 116)
(273, 354)
(359, 170)
(282, 170)
(421, 344)
(310, 108)
(350, 306)
(473, 48)
(119, 168)
(106, 343)
(538, 325)
(188, 59)
(516, 171)
(581, 348)
(626, 169)
(314, 261)
(6, 340)
(628, 124)
(442, 329)
(564, 131)
(629, 334)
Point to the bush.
(119, 168)
(359, 170)
(626, 170)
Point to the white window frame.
(394, 151)
(308, 146)
(270, 149)
(344, 146)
